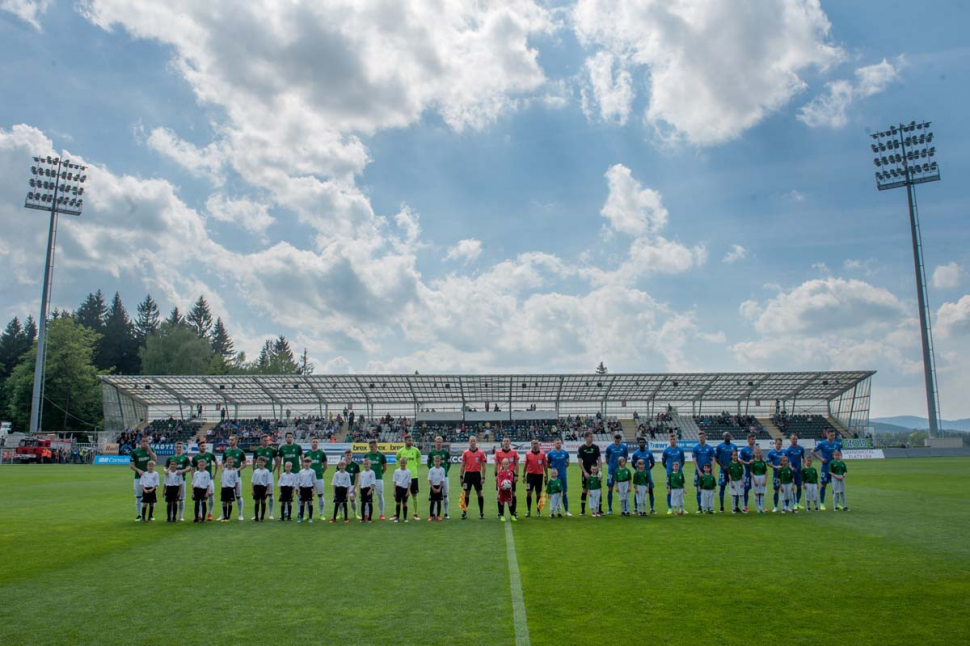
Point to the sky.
(521, 185)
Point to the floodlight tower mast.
(56, 187)
(904, 157)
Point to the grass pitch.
(895, 570)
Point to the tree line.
(100, 338)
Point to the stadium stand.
(737, 425)
(813, 427)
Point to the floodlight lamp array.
(904, 155)
(56, 185)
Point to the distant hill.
(910, 422)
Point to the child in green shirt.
(736, 475)
(622, 478)
(838, 469)
(677, 490)
(595, 484)
(759, 479)
(810, 484)
(641, 484)
(787, 479)
(707, 483)
(554, 489)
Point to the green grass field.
(76, 568)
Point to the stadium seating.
(737, 425)
(812, 427)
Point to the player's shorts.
(339, 494)
(707, 499)
(676, 498)
(172, 493)
(150, 497)
(318, 487)
(238, 488)
(286, 494)
(722, 478)
(473, 480)
(533, 482)
(623, 488)
(737, 487)
(137, 488)
(444, 486)
(759, 484)
(228, 494)
(414, 486)
(609, 478)
(562, 479)
(182, 490)
(259, 492)
(747, 481)
(811, 491)
(400, 494)
(826, 476)
(306, 494)
(797, 473)
(838, 486)
(199, 493)
(379, 487)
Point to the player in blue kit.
(614, 452)
(746, 457)
(723, 456)
(673, 454)
(558, 460)
(645, 454)
(824, 452)
(703, 455)
(796, 454)
(774, 461)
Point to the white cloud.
(713, 69)
(205, 162)
(611, 93)
(831, 107)
(947, 276)
(250, 215)
(825, 304)
(831, 324)
(795, 196)
(465, 250)
(29, 11)
(298, 81)
(630, 208)
(953, 319)
(736, 253)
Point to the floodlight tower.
(55, 187)
(904, 157)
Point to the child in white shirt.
(306, 480)
(173, 490)
(149, 488)
(230, 478)
(201, 484)
(262, 483)
(402, 484)
(341, 484)
(436, 478)
(288, 482)
(368, 480)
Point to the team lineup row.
(741, 471)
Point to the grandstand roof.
(423, 389)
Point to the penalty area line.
(519, 620)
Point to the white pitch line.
(519, 620)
